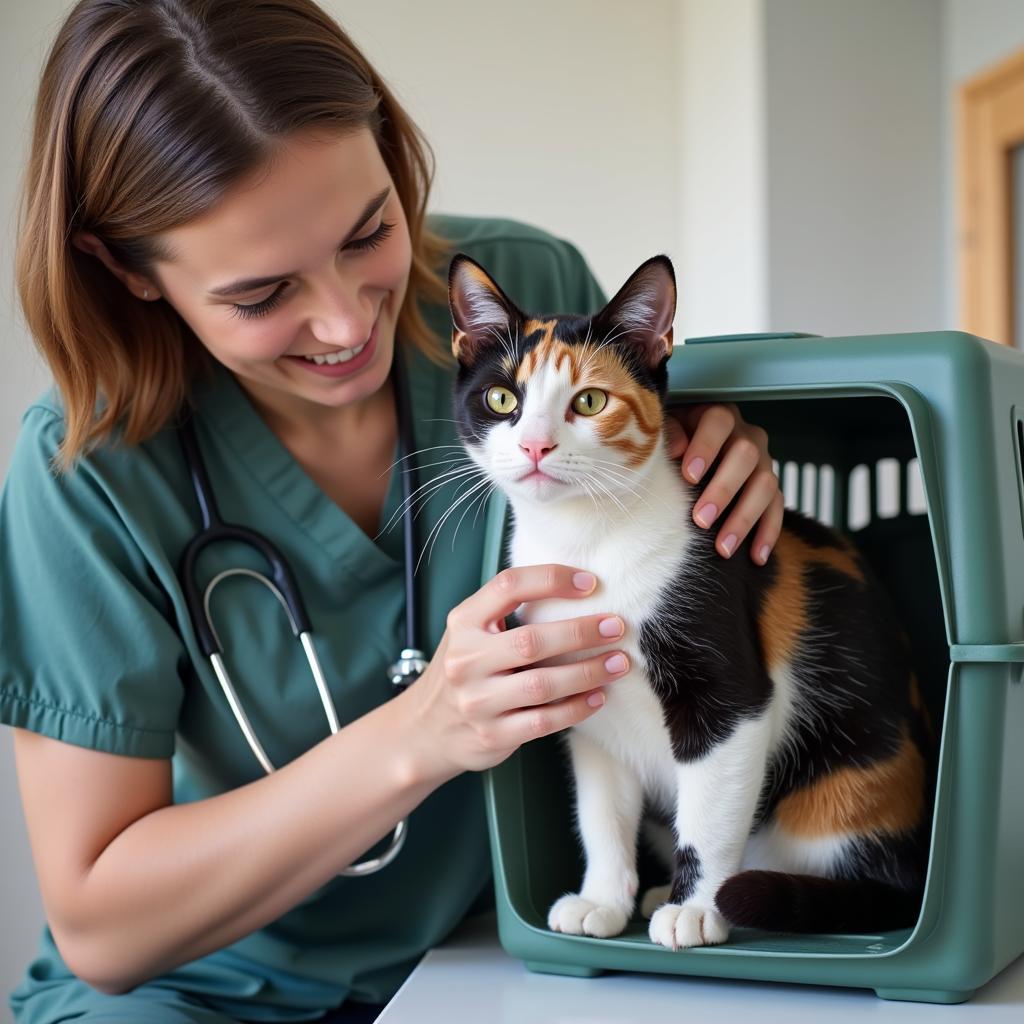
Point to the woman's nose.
(341, 316)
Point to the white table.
(472, 979)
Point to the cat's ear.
(482, 314)
(643, 309)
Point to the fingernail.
(706, 514)
(610, 627)
(729, 543)
(764, 553)
(616, 663)
(695, 469)
(584, 581)
(595, 700)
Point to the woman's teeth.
(341, 356)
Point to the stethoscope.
(411, 661)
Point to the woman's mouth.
(342, 361)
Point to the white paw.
(653, 898)
(574, 915)
(679, 927)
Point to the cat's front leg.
(609, 800)
(716, 801)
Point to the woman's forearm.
(188, 879)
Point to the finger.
(760, 491)
(713, 428)
(733, 471)
(539, 685)
(539, 641)
(504, 593)
(768, 531)
(519, 727)
(676, 436)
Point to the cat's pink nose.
(537, 449)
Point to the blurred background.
(830, 166)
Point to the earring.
(145, 293)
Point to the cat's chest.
(634, 575)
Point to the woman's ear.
(138, 284)
(643, 309)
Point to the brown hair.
(147, 111)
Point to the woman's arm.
(134, 885)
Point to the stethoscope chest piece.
(409, 667)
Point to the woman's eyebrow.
(252, 283)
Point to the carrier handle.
(708, 338)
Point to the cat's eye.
(590, 402)
(501, 400)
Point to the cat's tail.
(776, 901)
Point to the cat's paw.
(679, 927)
(574, 915)
(653, 898)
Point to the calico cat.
(770, 715)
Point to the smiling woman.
(225, 218)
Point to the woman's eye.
(500, 400)
(259, 308)
(372, 241)
(255, 309)
(590, 402)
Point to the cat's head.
(562, 406)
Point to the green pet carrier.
(913, 445)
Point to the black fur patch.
(805, 903)
(687, 875)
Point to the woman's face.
(307, 259)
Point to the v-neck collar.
(231, 415)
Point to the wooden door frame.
(990, 124)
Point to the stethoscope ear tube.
(279, 572)
(215, 530)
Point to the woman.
(219, 197)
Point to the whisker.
(433, 484)
(436, 531)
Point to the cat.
(770, 715)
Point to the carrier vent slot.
(887, 488)
(915, 500)
(859, 512)
(791, 485)
(826, 495)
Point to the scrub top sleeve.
(88, 652)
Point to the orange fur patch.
(628, 405)
(783, 617)
(887, 796)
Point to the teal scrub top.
(96, 649)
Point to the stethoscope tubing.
(284, 587)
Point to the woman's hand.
(488, 690)
(699, 434)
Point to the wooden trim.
(990, 125)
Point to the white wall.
(561, 114)
(721, 173)
(855, 207)
(810, 173)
